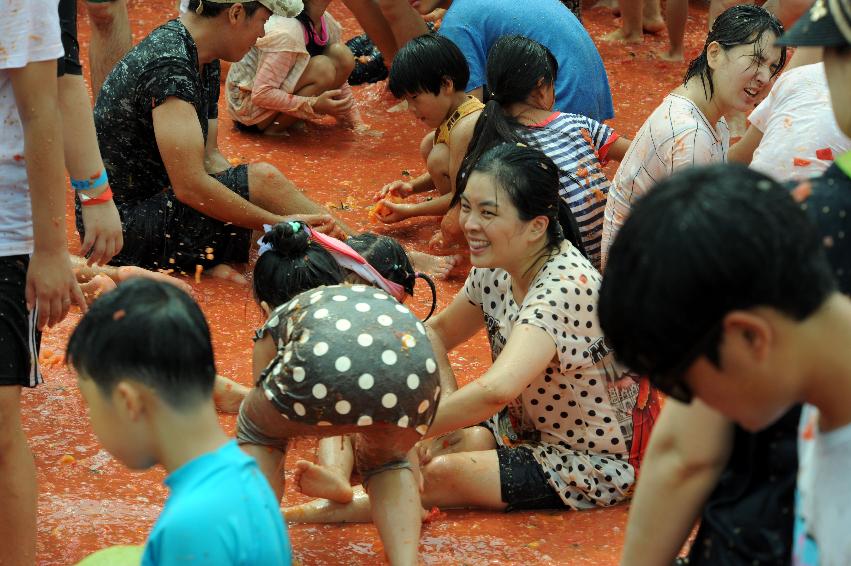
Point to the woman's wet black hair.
(531, 181)
(213, 9)
(148, 332)
(422, 64)
(389, 258)
(740, 25)
(293, 264)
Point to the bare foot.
(671, 56)
(228, 273)
(441, 246)
(653, 25)
(316, 481)
(618, 36)
(610, 4)
(126, 272)
(228, 394)
(437, 266)
(96, 286)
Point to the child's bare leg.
(450, 226)
(228, 394)
(329, 477)
(437, 164)
(718, 6)
(404, 22)
(394, 491)
(651, 19)
(631, 23)
(676, 16)
(426, 146)
(358, 510)
(344, 62)
(397, 514)
(375, 25)
(318, 77)
(271, 462)
(86, 273)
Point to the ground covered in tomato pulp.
(88, 501)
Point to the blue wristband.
(91, 183)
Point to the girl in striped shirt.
(521, 73)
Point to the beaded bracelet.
(92, 182)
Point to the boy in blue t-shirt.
(145, 368)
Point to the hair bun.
(290, 239)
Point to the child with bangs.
(431, 74)
(521, 77)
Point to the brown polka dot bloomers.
(350, 355)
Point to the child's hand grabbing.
(392, 212)
(333, 102)
(399, 189)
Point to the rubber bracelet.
(105, 196)
(93, 182)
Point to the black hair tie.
(433, 293)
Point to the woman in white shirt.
(737, 63)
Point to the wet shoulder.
(168, 42)
(568, 279)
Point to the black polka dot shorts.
(351, 355)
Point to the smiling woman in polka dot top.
(555, 411)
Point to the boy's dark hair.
(531, 180)
(702, 243)
(213, 9)
(389, 258)
(150, 332)
(293, 265)
(740, 25)
(422, 64)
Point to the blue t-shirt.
(582, 86)
(221, 511)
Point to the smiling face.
(496, 235)
(741, 73)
